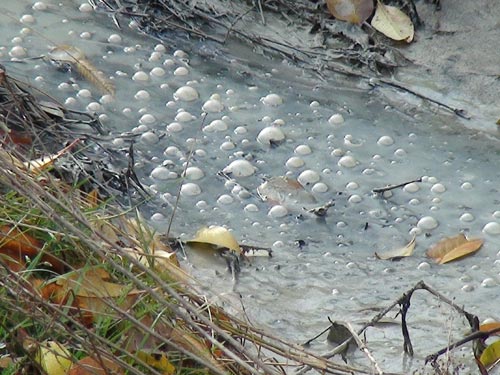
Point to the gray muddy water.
(340, 140)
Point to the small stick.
(363, 347)
(392, 187)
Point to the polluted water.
(255, 144)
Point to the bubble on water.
(385, 140)
(142, 95)
(225, 199)
(17, 51)
(160, 48)
(202, 205)
(27, 18)
(240, 168)
(355, 198)
(466, 186)
(415, 232)
(17, 40)
(94, 107)
(84, 93)
(25, 31)
(400, 152)
(155, 56)
(115, 39)
(303, 150)
(147, 119)
(278, 122)
(347, 162)
(492, 228)
(467, 217)
(314, 104)
(430, 179)
(194, 173)
(64, 86)
(106, 99)
(212, 106)
(181, 71)
(438, 188)
(186, 93)
(294, 162)
(215, 126)
(240, 130)
(157, 216)
(184, 116)
(423, 266)
(251, 208)
(190, 189)
(468, 288)
(227, 146)
(40, 6)
(308, 177)
(160, 173)
(411, 187)
(172, 151)
(272, 100)
(269, 135)
(174, 127)
(427, 223)
(157, 72)
(278, 211)
(180, 54)
(320, 188)
(140, 76)
(336, 119)
(150, 138)
(70, 101)
(85, 8)
(352, 185)
(488, 282)
(414, 202)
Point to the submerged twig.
(392, 187)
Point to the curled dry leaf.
(285, 191)
(393, 23)
(453, 248)
(399, 253)
(353, 11)
(218, 237)
(74, 56)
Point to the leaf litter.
(453, 248)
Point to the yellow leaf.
(54, 358)
(393, 23)
(453, 248)
(157, 360)
(396, 254)
(353, 11)
(491, 354)
(216, 236)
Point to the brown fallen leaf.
(453, 248)
(353, 11)
(393, 23)
(90, 366)
(489, 327)
(399, 253)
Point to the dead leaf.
(53, 358)
(399, 253)
(90, 366)
(453, 248)
(286, 192)
(218, 237)
(353, 11)
(16, 246)
(76, 57)
(88, 291)
(393, 23)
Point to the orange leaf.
(453, 248)
(489, 327)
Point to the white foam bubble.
(174, 127)
(140, 76)
(181, 71)
(115, 39)
(278, 211)
(303, 150)
(294, 162)
(225, 199)
(212, 106)
(272, 100)
(184, 116)
(492, 228)
(467, 217)
(411, 187)
(270, 134)
(147, 119)
(240, 168)
(308, 177)
(150, 138)
(186, 93)
(190, 189)
(160, 173)
(427, 223)
(385, 140)
(347, 162)
(438, 188)
(336, 119)
(319, 188)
